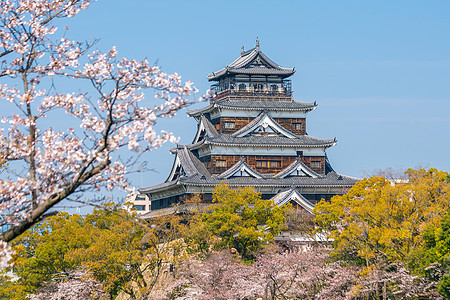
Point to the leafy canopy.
(378, 220)
(105, 244)
(243, 220)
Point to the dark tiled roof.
(265, 104)
(242, 65)
(260, 71)
(278, 105)
(300, 141)
(211, 131)
(164, 185)
(202, 177)
(332, 179)
(190, 164)
(195, 112)
(199, 166)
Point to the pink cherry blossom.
(111, 106)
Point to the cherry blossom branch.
(50, 164)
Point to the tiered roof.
(190, 175)
(252, 62)
(245, 137)
(196, 174)
(258, 105)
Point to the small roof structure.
(186, 164)
(252, 62)
(292, 195)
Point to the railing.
(280, 95)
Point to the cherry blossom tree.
(104, 111)
(74, 288)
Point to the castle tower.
(252, 133)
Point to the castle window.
(221, 163)
(315, 164)
(274, 164)
(242, 87)
(139, 207)
(297, 126)
(229, 125)
(274, 87)
(268, 164)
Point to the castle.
(254, 134)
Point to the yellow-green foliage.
(381, 221)
(242, 219)
(106, 244)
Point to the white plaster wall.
(261, 151)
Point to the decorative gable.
(297, 169)
(302, 170)
(244, 171)
(293, 196)
(264, 125)
(240, 169)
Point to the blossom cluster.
(293, 275)
(109, 110)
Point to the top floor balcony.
(273, 90)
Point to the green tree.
(432, 260)
(106, 244)
(243, 220)
(41, 254)
(379, 221)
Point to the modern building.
(252, 133)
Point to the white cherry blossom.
(50, 163)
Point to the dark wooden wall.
(284, 161)
(308, 159)
(240, 122)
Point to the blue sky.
(379, 70)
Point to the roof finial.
(242, 49)
(257, 43)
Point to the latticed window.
(315, 164)
(221, 163)
(229, 125)
(268, 164)
(297, 126)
